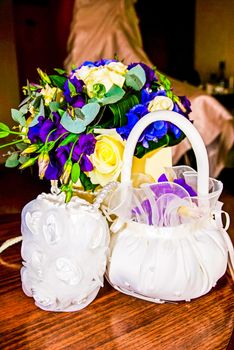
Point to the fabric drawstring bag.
(64, 250)
(167, 241)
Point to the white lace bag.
(166, 243)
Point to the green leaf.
(72, 89)
(18, 117)
(4, 127)
(21, 146)
(86, 183)
(37, 101)
(34, 121)
(54, 106)
(3, 134)
(90, 111)
(136, 78)
(23, 159)
(24, 109)
(42, 109)
(60, 71)
(12, 161)
(99, 90)
(75, 173)
(58, 81)
(165, 81)
(24, 101)
(70, 138)
(44, 77)
(173, 141)
(75, 126)
(112, 96)
(120, 109)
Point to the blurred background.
(189, 40)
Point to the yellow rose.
(160, 103)
(106, 159)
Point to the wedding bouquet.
(75, 125)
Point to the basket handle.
(188, 129)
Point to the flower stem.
(17, 133)
(74, 143)
(10, 143)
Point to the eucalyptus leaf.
(23, 159)
(42, 108)
(12, 161)
(54, 106)
(75, 126)
(90, 111)
(75, 173)
(136, 78)
(112, 96)
(18, 117)
(34, 121)
(4, 127)
(24, 109)
(21, 146)
(25, 100)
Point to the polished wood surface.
(113, 320)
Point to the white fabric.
(64, 249)
(166, 245)
(167, 263)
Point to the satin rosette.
(64, 251)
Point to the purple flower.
(40, 131)
(186, 103)
(74, 98)
(85, 163)
(62, 154)
(133, 116)
(86, 144)
(153, 132)
(53, 171)
(84, 147)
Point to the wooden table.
(113, 320)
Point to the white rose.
(108, 75)
(160, 103)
